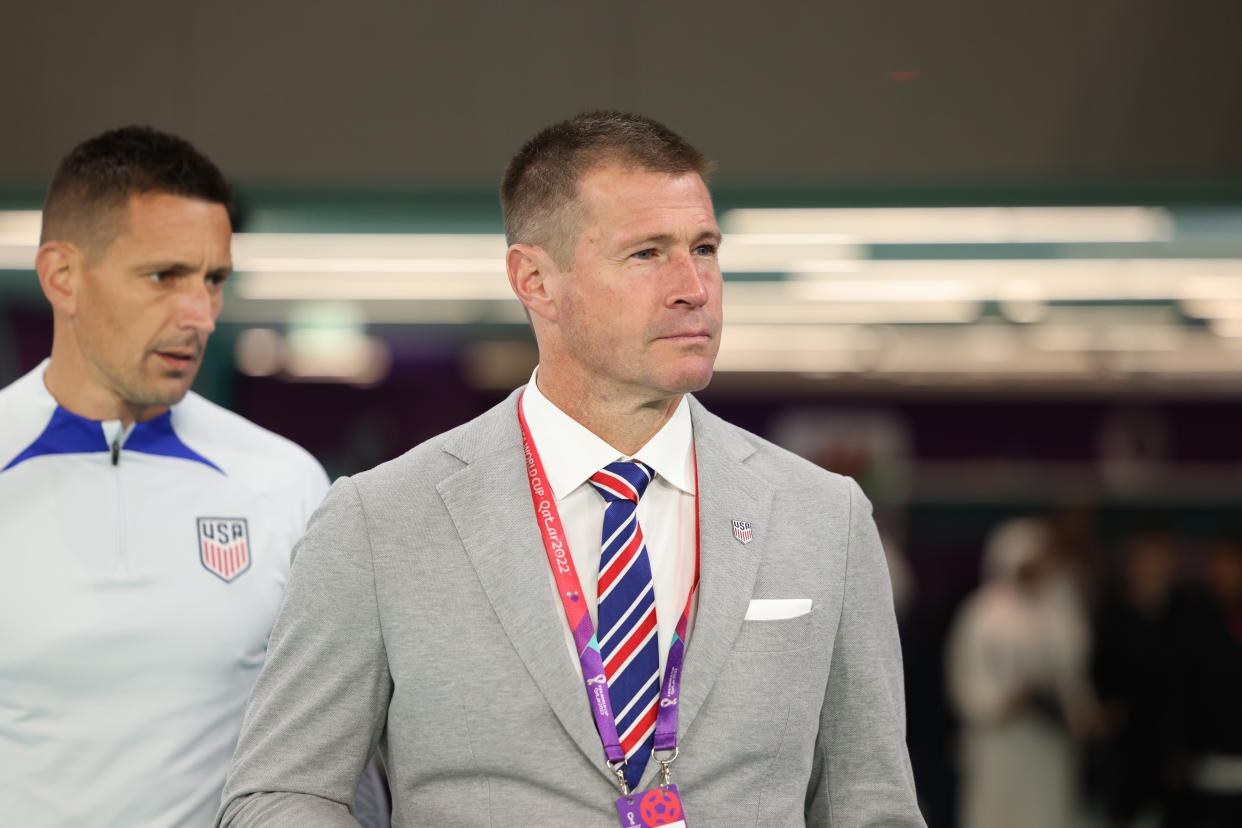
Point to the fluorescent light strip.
(17, 256)
(369, 245)
(388, 312)
(486, 252)
(337, 286)
(22, 224)
(491, 267)
(1213, 308)
(922, 291)
(1065, 280)
(824, 226)
(963, 225)
(993, 350)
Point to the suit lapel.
(489, 503)
(728, 491)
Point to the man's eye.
(649, 253)
(158, 276)
(705, 250)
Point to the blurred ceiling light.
(789, 252)
(259, 352)
(1023, 301)
(746, 311)
(1022, 286)
(1052, 280)
(882, 290)
(1228, 328)
(387, 312)
(959, 225)
(1140, 338)
(1108, 337)
(303, 246)
(481, 252)
(1224, 308)
(819, 350)
(991, 342)
(326, 343)
(17, 256)
(823, 267)
(1212, 296)
(802, 362)
(19, 238)
(1226, 283)
(1054, 337)
(373, 286)
(788, 337)
(810, 349)
(20, 226)
(493, 267)
(995, 354)
(352, 358)
(1116, 314)
(839, 241)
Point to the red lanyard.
(569, 588)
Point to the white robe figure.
(1016, 672)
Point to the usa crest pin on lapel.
(741, 530)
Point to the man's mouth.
(179, 360)
(689, 336)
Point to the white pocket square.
(774, 609)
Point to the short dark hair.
(101, 174)
(541, 182)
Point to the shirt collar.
(571, 453)
(65, 432)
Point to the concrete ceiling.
(782, 93)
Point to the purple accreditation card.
(656, 808)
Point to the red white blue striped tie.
(627, 614)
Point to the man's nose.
(690, 285)
(200, 305)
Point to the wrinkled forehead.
(180, 229)
(642, 202)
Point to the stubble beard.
(149, 385)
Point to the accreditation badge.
(657, 808)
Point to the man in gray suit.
(443, 606)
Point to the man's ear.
(531, 272)
(56, 263)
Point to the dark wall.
(781, 92)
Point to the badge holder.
(659, 807)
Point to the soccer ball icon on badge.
(660, 808)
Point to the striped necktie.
(627, 614)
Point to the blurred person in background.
(1209, 697)
(146, 532)
(1134, 669)
(1016, 675)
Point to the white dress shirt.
(666, 511)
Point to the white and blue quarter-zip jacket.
(140, 573)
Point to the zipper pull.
(116, 451)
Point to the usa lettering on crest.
(224, 546)
(741, 530)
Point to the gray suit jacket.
(420, 617)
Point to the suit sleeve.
(861, 774)
(319, 705)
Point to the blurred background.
(984, 257)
